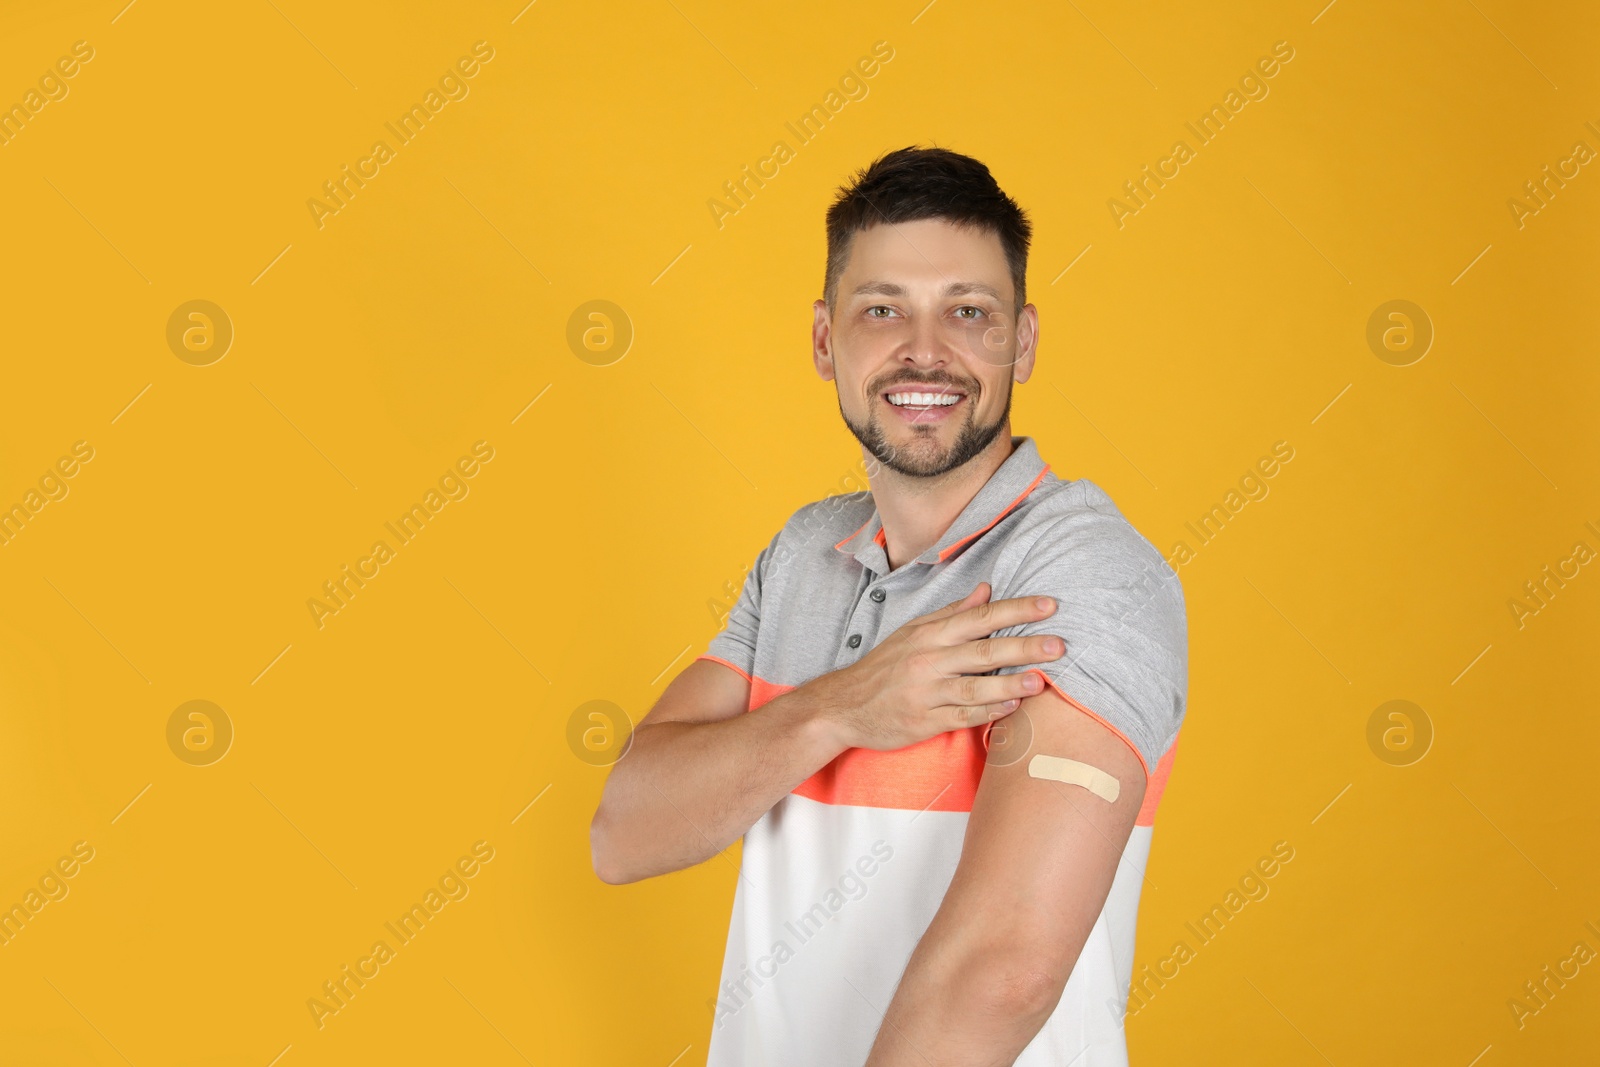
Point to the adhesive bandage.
(1057, 769)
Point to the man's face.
(923, 344)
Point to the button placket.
(877, 596)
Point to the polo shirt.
(841, 877)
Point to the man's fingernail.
(1045, 603)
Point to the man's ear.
(822, 340)
(1027, 343)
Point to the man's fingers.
(975, 690)
(963, 716)
(991, 653)
(977, 596)
(979, 620)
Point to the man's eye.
(878, 307)
(970, 307)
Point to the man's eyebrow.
(882, 288)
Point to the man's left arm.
(1040, 855)
(1036, 867)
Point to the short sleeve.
(735, 645)
(1120, 609)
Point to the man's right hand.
(931, 675)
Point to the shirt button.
(877, 594)
(855, 641)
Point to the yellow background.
(427, 314)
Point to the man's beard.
(970, 440)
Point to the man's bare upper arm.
(1040, 855)
(704, 691)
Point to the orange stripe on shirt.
(1156, 785)
(939, 774)
(761, 690)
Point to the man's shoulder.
(1120, 609)
(1076, 524)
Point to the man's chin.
(925, 453)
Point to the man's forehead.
(884, 287)
(953, 260)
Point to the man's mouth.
(923, 398)
(924, 403)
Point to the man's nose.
(927, 347)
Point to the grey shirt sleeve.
(1120, 609)
(736, 643)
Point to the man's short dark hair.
(923, 183)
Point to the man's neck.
(916, 512)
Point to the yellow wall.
(374, 346)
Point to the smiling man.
(942, 712)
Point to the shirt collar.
(1006, 488)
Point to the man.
(946, 810)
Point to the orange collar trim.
(945, 554)
(1025, 456)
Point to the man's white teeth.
(924, 399)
